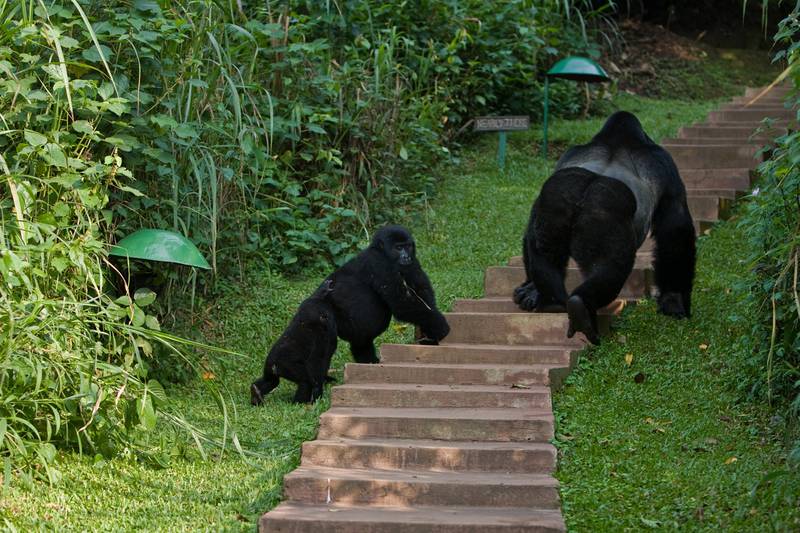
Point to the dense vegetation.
(771, 371)
(276, 131)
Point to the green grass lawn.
(656, 454)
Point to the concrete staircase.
(456, 437)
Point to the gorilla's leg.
(303, 394)
(262, 386)
(675, 254)
(604, 246)
(364, 352)
(317, 368)
(549, 255)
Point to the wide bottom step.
(296, 518)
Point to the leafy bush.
(73, 363)
(772, 220)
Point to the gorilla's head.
(397, 244)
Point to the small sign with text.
(505, 123)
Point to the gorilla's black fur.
(303, 352)
(598, 207)
(384, 280)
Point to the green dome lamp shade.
(160, 245)
(571, 68)
(578, 69)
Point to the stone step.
(765, 107)
(730, 178)
(726, 194)
(777, 91)
(432, 455)
(750, 115)
(449, 375)
(502, 280)
(712, 156)
(291, 517)
(504, 304)
(744, 132)
(775, 124)
(707, 207)
(451, 424)
(767, 100)
(515, 328)
(717, 141)
(318, 485)
(530, 392)
(478, 354)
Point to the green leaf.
(60, 263)
(151, 322)
(93, 56)
(403, 153)
(144, 297)
(83, 126)
(185, 131)
(147, 415)
(138, 316)
(123, 300)
(54, 155)
(35, 139)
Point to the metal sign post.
(502, 125)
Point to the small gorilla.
(598, 207)
(303, 352)
(382, 281)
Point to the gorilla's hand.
(671, 304)
(436, 330)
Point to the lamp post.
(570, 68)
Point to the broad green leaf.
(147, 415)
(152, 323)
(53, 154)
(123, 300)
(92, 55)
(34, 138)
(144, 297)
(138, 317)
(83, 126)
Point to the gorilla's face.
(397, 245)
(403, 252)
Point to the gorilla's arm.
(410, 297)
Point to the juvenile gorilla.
(598, 207)
(303, 352)
(384, 280)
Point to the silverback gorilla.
(382, 281)
(598, 207)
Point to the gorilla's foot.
(427, 341)
(522, 291)
(526, 297)
(580, 319)
(671, 304)
(256, 398)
